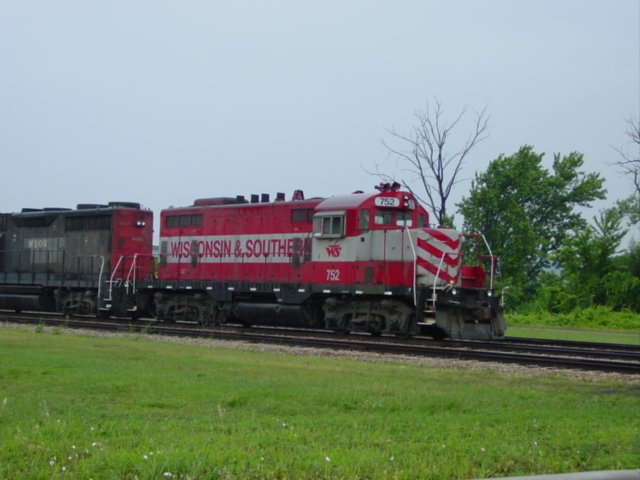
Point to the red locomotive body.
(359, 262)
(69, 260)
(241, 242)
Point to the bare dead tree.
(630, 162)
(426, 157)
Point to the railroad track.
(532, 352)
(605, 351)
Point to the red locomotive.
(358, 262)
(364, 262)
(64, 260)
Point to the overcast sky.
(162, 102)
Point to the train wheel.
(169, 315)
(375, 325)
(193, 314)
(152, 310)
(85, 307)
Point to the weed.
(592, 317)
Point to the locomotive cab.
(363, 261)
(382, 246)
(362, 239)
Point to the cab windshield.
(393, 218)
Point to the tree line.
(551, 257)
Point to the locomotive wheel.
(192, 314)
(152, 310)
(85, 307)
(375, 325)
(168, 315)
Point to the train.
(360, 262)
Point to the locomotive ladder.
(130, 281)
(429, 309)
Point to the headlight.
(454, 291)
(489, 293)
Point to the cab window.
(364, 220)
(404, 220)
(382, 217)
(328, 226)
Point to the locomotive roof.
(217, 204)
(338, 202)
(343, 202)
(81, 209)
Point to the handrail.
(132, 269)
(100, 279)
(415, 267)
(492, 258)
(113, 274)
(435, 282)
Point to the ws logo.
(334, 250)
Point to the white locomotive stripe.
(439, 253)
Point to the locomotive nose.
(438, 256)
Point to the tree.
(588, 261)
(424, 151)
(630, 162)
(630, 165)
(527, 212)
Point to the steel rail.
(571, 343)
(411, 347)
(576, 349)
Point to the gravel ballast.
(430, 362)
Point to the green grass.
(631, 337)
(601, 318)
(595, 324)
(82, 407)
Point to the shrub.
(591, 317)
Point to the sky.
(162, 102)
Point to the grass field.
(83, 407)
(594, 324)
(595, 318)
(631, 337)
